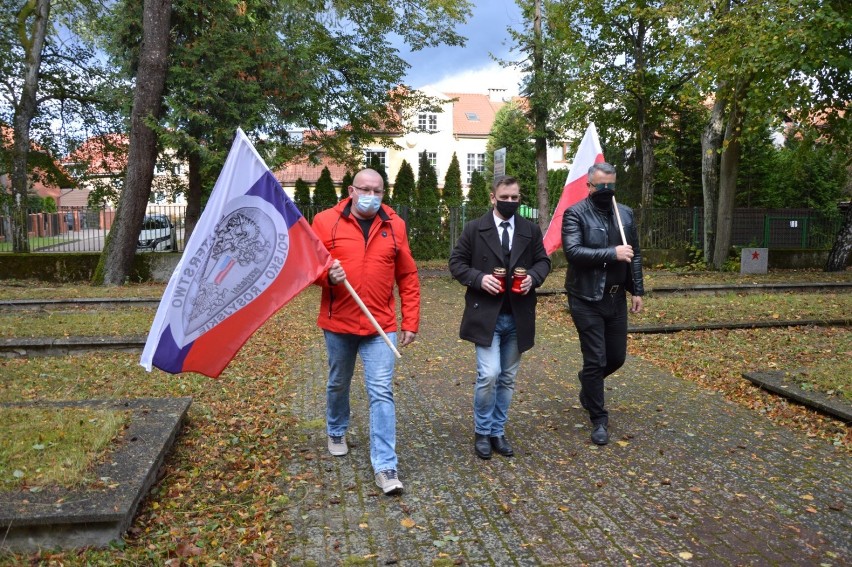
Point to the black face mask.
(602, 198)
(507, 208)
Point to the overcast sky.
(471, 69)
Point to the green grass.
(77, 323)
(35, 289)
(53, 447)
(37, 242)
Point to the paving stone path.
(688, 479)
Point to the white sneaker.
(337, 445)
(388, 482)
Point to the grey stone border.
(62, 518)
(703, 289)
(776, 382)
(19, 347)
(117, 303)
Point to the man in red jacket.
(369, 244)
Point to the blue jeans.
(378, 362)
(496, 368)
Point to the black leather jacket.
(585, 241)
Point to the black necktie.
(504, 240)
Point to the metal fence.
(83, 229)
(79, 229)
(765, 228)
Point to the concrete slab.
(781, 383)
(20, 347)
(63, 518)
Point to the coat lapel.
(488, 233)
(520, 241)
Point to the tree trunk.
(120, 248)
(711, 144)
(645, 130)
(193, 196)
(730, 161)
(648, 171)
(839, 255)
(33, 44)
(540, 125)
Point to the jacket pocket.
(596, 237)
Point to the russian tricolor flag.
(251, 252)
(575, 190)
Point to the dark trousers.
(602, 326)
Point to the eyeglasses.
(602, 186)
(367, 191)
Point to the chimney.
(497, 95)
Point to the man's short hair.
(603, 167)
(502, 180)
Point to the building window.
(427, 122)
(370, 154)
(472, 116)
(160, 169)
(475, 162)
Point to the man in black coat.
(600, 269)
(499, 317)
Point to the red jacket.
(371, 269)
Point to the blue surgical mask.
(368, 204)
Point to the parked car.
(158, 235)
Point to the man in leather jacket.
(600, 269)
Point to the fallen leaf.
(408, 523)
(685, 555)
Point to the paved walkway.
(687, 479)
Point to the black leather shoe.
(482, 447)
(501, 445)
(600, 436)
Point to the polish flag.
(251, 252)
(588, 154)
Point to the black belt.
(614, 289)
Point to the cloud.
(479, 80)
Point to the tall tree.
(33, 24)
(625, 63)
(265, 65)
(477, 194)
(302, 194)
(120, 247)
(796, 58)
(452, 194)
(511, 130)
(345, 183)
(50, 76)
(428, 240)
(325, 195)
(403, 187)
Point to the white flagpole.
(618, 217)
(370, 317)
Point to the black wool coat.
(477, 253)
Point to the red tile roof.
(309, 172)
(105, 154)
(479, 105)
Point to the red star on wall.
(755, 255)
